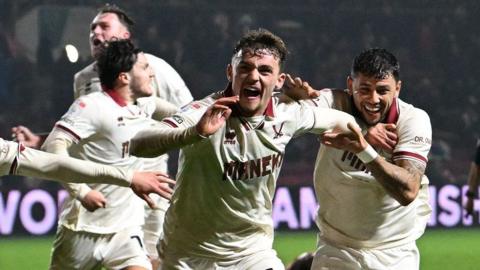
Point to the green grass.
(439, 249)
(20, 254)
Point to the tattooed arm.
(401, 180)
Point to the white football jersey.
(222, 205)
(355, 210)
(167, 85)
(101, 125)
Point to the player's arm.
(180, 131)
(58, 142)
(319, 120)
(163, 109)
(30, 162)
(402, 178)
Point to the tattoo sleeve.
(401, 180)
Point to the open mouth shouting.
(96, 42)
(251, 92)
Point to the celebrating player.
(374, 203)
(220, 216)
(98, 127)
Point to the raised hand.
(298, 89)
(382, 136)
(216, 116)
(25, 136)
(144, 183)
(351, 141)
(93, 200)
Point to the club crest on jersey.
(278, 132)
(230, 137)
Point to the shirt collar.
(392, 116)
(115, 96)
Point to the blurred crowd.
(436, 43)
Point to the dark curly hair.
(116, 56)
(257, 40)
(376, 62)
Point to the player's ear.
(350, 84)
(126, 35)
(398, 87)
(280, 81)
(229, 72)
(123, 78)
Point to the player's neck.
(126, 94)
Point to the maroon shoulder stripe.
(170, 123)
(69, 131)
(410, 154)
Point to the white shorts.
(153, 226)
(84, 250)
(332, 257)
(263, 260)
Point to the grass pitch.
(440, 249)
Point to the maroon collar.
(393, 114)
(115, 96)
(269, 110)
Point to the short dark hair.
(376, 62)
(126, 20)
(116, 56)
(262, 39)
